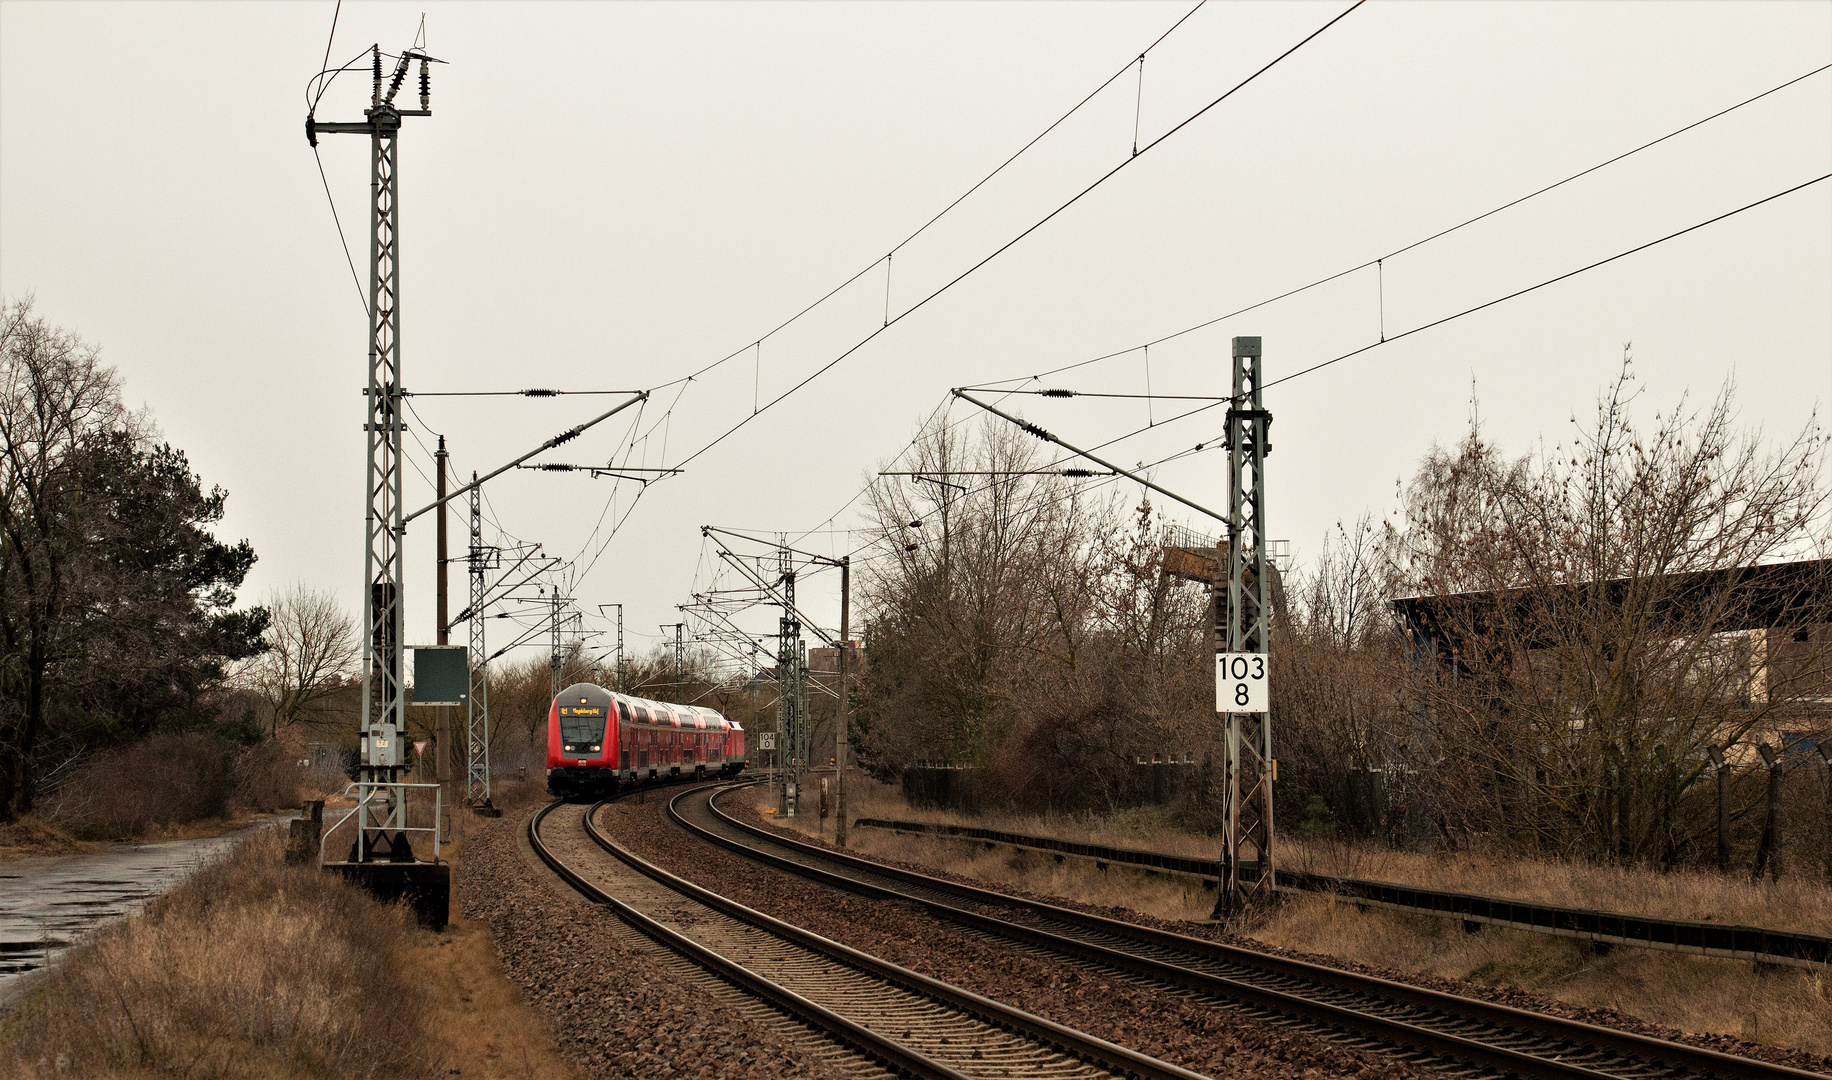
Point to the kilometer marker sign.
(1240, 682)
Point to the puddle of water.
(51, 902)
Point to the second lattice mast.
(1249, 768)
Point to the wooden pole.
(442, 731)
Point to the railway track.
(890, 1021)
(1732, 942)
(1455, 1034)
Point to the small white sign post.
(766, 740)
(1240, 683)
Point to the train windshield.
(582, 724)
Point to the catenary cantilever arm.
(1047, 437)
(565, 436)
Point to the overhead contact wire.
(1046, 219)
(1379, 262)
(962, 198)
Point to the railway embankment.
(1783, 1015)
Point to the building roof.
(1789, 594)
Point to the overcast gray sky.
(615, 195)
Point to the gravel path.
(1215, 1040)
(621, 1005)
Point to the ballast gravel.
(1500, 995)
(617, 1010)
(1218, 1041)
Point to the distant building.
(827, 661)
(1771, 622)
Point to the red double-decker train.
(599, 741)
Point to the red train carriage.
(599, 741)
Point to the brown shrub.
(249, 969)
(165, 780)
(268, 777)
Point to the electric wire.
(361, 298)
(1209, 444)
(332, 37)
(533, 393)
(1378, 263)
(662, 421)
(1549, 281)
(1078, 489)
(1212, 403)
(1001, 249)
(324, 83)
(778, 328)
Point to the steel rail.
(892, 1055)
(1119, 1059)
(1507, 1021)
(1721, 940)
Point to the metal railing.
(394, 820)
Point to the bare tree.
(1590, 608)
(1338, 684)
(312, 653)
(976, 580)
(1019, 626)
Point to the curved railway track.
(887, 1019)
(1456, 1034)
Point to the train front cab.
(582, 742)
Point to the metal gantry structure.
(1249, 768)
(481, 561)
(622, 682)
(556, 659)
(794, 726)
(1243, 613)
(792, 698)
(382, 797)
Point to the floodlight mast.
(382, 805)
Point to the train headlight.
(594, 748)
(569, 747)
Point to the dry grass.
(1781, 1006)
(249, 969)
(31, 836)
(252, 969)
(168, 782)
(1797, 903)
